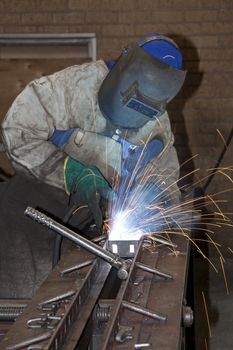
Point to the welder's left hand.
(88, 189)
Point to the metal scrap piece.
(57, 299)
(30, 341)
(142, 345)
(124, 333)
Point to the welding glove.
(87, 189)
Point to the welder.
(80, 128)
(83, 128)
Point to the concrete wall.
(203, 30)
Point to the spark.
(216, 246)
(207, 315)
(222, 138)
(224, 275)
(133, 213)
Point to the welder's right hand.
(87, 188)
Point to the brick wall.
(203, 29)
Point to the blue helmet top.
(162, 48)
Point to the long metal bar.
(31, 341)
(153, 270)
(76, 267)
(58, 298)
(93, 248)
(143, 311)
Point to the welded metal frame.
(84, 283)
(157, 313)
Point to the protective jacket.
(68, 99)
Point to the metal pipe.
(93, 248)
(76, 267)
(153, 270)
(142, 345)
(142, 310)
(57, 298)
(27, 342)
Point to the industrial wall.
(201, 114)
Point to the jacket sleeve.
(25, 130)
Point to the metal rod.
(142, 310)
(99, 239)
(81, 241)
(142, 345)
(30, 341)
(76, 267)
(153, 270)
(58, 298)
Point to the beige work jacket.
(68, 99)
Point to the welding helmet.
(145, 77)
